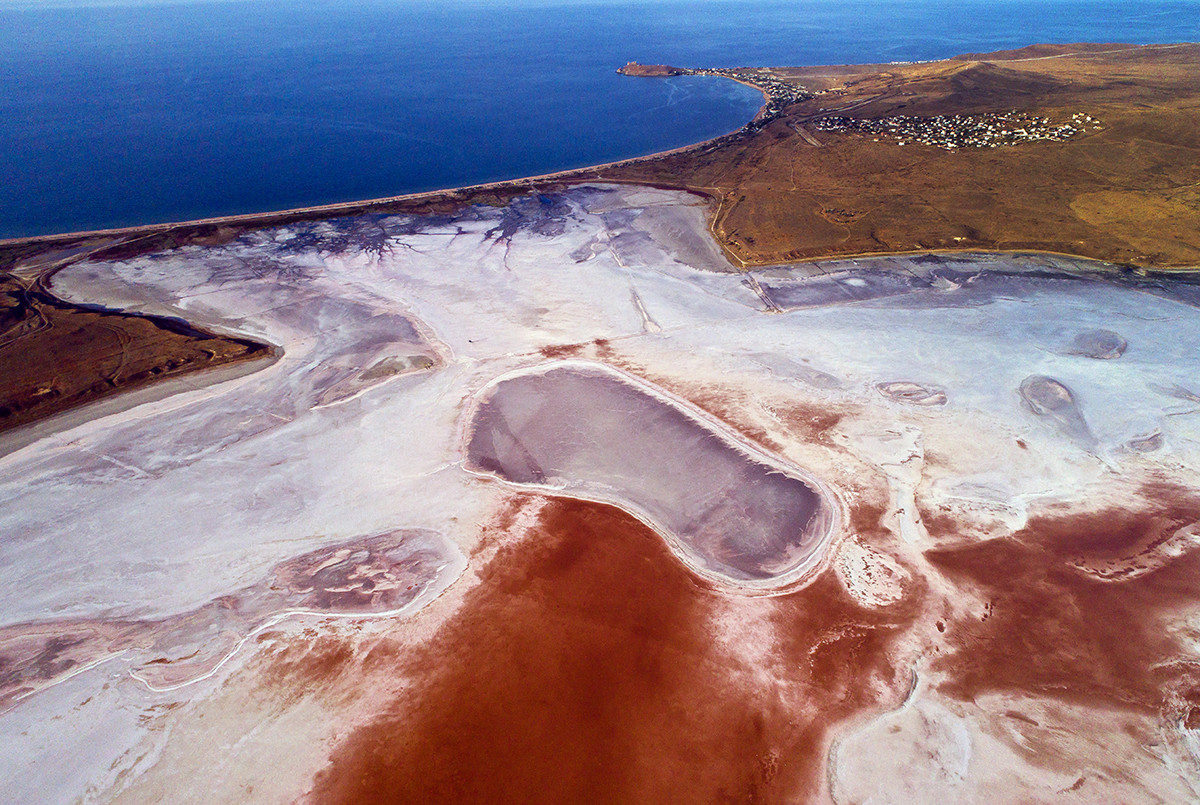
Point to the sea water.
(118, 113)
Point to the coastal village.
(963, 131)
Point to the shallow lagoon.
(584, 430)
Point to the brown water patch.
(583, 668)
(805, 422)
(556, 351)
(1054, 623)
(810, 422)
(315, 663)
(729, 510)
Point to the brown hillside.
(1126, 190)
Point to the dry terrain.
(515, 514)
(55, 356)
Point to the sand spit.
(56, 356)
(1007, 611)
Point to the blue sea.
(119, 113)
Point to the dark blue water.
(124, 113)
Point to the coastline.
(690, 168)
(267, 218)
(700, 169)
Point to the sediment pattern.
(368, 577)
(490, 527)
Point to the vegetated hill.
(950, 88)
(988, 84)
(55, 355)
(1044, 51)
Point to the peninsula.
(649, 70)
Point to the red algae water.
(584, 669)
